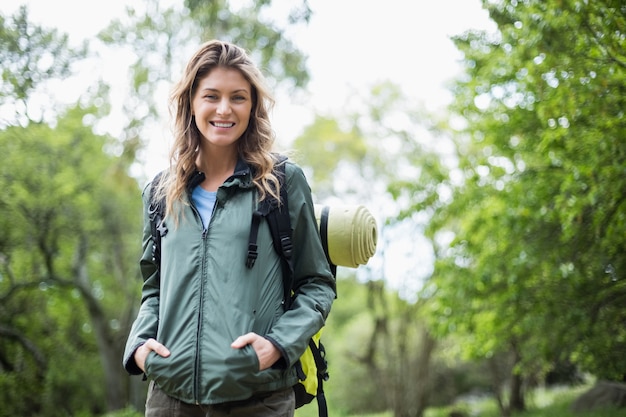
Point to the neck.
(217, 166)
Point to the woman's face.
(221, 107)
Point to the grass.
(553, 402)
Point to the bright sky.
(351, 44)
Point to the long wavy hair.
(254, 146)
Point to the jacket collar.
(242, 176)
(243, 172)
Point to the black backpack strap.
(156, 211)
(319, 355)
(280, 226)
(277, 216)
(254, 231)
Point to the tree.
(62, 247)
(529, 245)
(71, 216)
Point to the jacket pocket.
(244, 365)
(169, 373)
(148, 364)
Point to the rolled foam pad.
(351, 234)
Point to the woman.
(211, 334)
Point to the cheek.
(198, 107)
(245, 124)
(198, 119)
(247, 116)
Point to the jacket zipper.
(196, 379)
(199, 328)
(205, 232)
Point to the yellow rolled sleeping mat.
(349, 234)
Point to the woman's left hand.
(265, 350)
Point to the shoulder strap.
(319, 355)
(277, 216)
(156, 212)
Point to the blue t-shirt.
(204, 201)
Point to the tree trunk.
(517, 402)
(414, 353)
(110, 353)
(422, 373)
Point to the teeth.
(223, 124)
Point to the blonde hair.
(254, 146)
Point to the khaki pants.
(276, 404)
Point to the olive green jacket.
(204, 296)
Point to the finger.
(157, 348)
(244, 340)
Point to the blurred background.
(486, 137)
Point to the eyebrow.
(241, 90)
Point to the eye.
(210, 97)
(239, 99)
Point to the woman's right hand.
(142, 352)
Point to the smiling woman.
(212, 333)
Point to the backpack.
(312, 367)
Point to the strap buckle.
(252, 255)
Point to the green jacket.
(205, 297)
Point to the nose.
(223, 107)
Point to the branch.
(16, 285)
(27, 344)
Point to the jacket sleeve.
(145, 325)
(314, 283)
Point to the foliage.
(362, 147)
(529, 233)
(352, 160)
(251, 27)
(346, 337)
(375, 353)
(527, 215)
(550, 140)
(365, 156)
(69, 216)
(327, 147)
(31, 56)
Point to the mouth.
(222, 124)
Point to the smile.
(218, 124)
